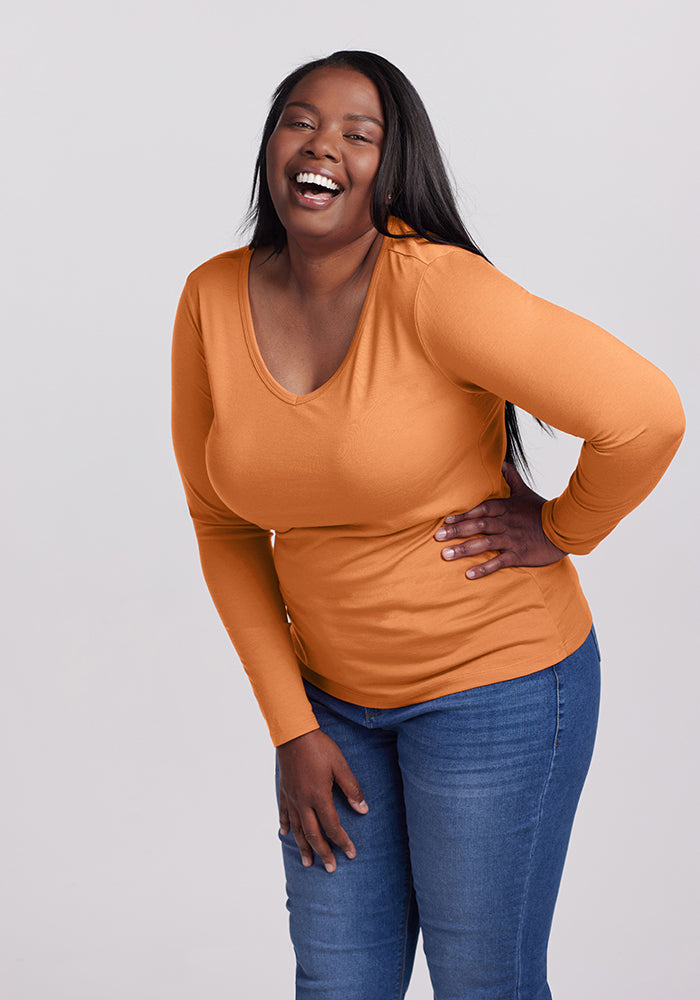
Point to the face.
(323, 157)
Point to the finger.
(475, 547)
(501, 561)
(470, 526)
(333, 829)
(489, 508)
(284, 814)
(315, 839)
(349, 785)
(307, 854)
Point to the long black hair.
(411, 171)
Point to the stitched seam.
(423, 344)
(400, 245)
(495, 483)
(402, 969)
(528, 570)
(534, 840)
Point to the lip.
(306, 169)
(303, 201)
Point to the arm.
(238, 567)
(488, 334)
(236, 556)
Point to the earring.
(389, 196)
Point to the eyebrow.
(348, 118)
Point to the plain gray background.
(138, 838)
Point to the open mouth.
(316, 187)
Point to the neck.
(315, 274)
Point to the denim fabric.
(471, 800)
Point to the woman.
(417, 638)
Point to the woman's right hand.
(309, 765)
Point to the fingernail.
(451, 518)
(350, 854)
(307, 862)
(441, 533)
(329, 868)
(448, 553)
(362, 806)
(471, 573)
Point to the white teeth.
(317, 179)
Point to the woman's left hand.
(512, 526)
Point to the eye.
(356, 135)
(300, 124)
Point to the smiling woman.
(321, 165)
(345, 381)
(330, 133)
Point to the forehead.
(347, 88)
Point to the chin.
(322, 225)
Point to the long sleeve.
(488, 334)
(236, 555)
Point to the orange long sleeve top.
(355, 477)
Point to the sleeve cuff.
(562, 541)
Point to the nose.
(322, 144)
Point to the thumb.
(284, 813)
(513, 478)
(349, 785)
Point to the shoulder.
(218, 271)
(438, 263)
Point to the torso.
(303, 344)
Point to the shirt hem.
(462, 678)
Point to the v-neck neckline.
(249, 329)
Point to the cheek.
(269, 161)
(362, 177)
(372, 169)
(274, 157)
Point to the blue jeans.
(471, 801)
